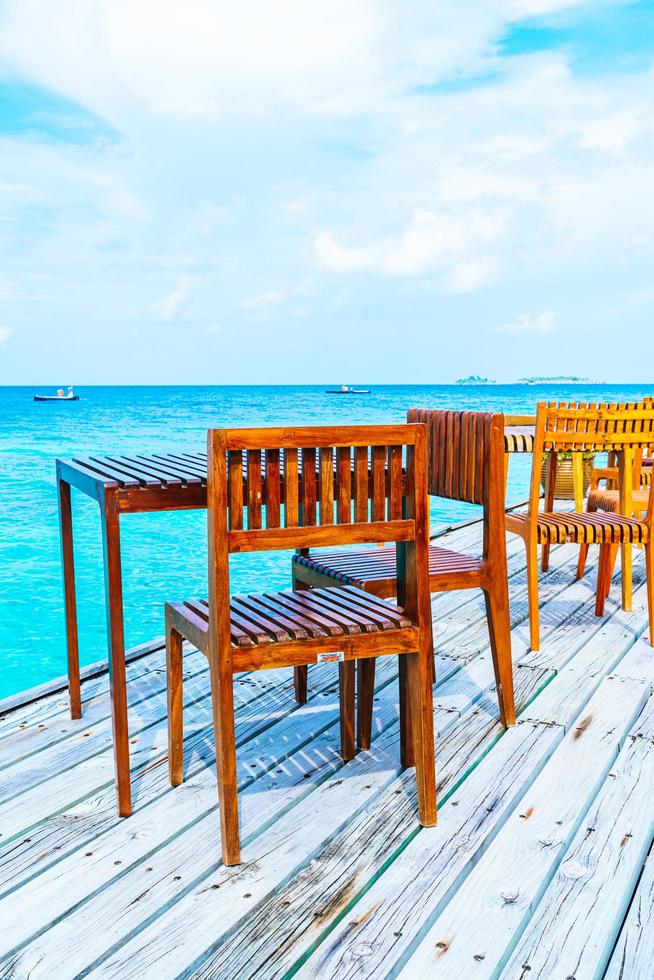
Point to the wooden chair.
(263, 496)
(607, 499)
(466, 460)
(591, 429)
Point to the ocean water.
(164, 555)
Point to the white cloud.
(340, 258)
(426, 242)
(271, 297)
(168, 307)
(290, 142)
(525, 324)
(467, 277)
(5, 334)
(429, 244)
(610, 133)
(537, 8)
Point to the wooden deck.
(538, 866)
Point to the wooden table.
(121, 485)
(134, 484)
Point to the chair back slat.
(309, 487)
(271, 501)
(291, 489)
(344, 478)
(395, 483)
(326, 485)
(361, 484)
(235, 469)
(273, 488)
(378, 497)
(255, 494)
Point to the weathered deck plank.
(633, 955)
(574, 928)
(476, 933)
(338, 879)
(101, 764)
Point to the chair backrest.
(624, 430)
(284, 488)
(461, 448)
(466, 462)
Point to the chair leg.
(222, 697)
(300, 674)
(406, 740)
(603, 572)
(627, 577)
(581, 563)
(70, 599)
(649, 567)
(346, 671)
(610, 567)
(300, 683)
(365, 696)
(532, 592)
(499, 629)
(583, 550)
(421, 698)
(174, 677)
(550, 486)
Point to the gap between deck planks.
(37, 721)
(466, 652)
(286, 922)
(140, 954)
(59, 788)
(444, 699)
(463, 537)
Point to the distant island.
(572, 379)
(475, 379)
(558, 380)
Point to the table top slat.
(108, 473)
(143, 468)
(123, 472)
(175, 468)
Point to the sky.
(305, 192)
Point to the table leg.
(578, 481)
(116, 640)
(70, 601)
(548, 506)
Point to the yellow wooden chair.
(577, 430)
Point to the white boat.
(59, 397)
(347, 390)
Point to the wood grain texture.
(82, 891)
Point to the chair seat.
(609, 500)
(593, 528)
(361, 567)
(281, 617)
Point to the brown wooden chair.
(608, 499)
(466, 463)
(263, 496)
(591, 429)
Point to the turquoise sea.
(164, 555)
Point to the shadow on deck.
(538, 866)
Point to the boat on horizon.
(59, 397)
(347, 390)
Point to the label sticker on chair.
(330, 658)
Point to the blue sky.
(305, 192)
